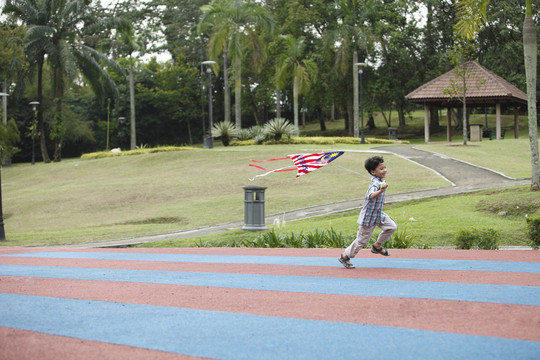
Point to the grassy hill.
(77, 201)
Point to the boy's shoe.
(380, 250)
(346, 262)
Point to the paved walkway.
(462, 176)
(233, 303)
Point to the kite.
(304, 163)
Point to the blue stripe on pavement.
(508, 294)
(422, 264)
(224, 335)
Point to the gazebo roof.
(483, 88)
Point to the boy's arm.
(382, 189)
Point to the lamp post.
(2, 231)
(4, 106)
(358, 69)
(34, 108)
(208, 143)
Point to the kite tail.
(271, 171)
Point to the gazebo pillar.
(426, 123)
(516, 123)
(498, 117)
(448, 124)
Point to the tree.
(303, 71)
(55, 32)
(530, 50)
(352, 32)
(12, 61)
(235, 27)
(471, 15)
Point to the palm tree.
(303, 70)
(55, 30)
(471, 14)
(530, 51)
(352, 34)
(234, 27)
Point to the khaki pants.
(388, 227)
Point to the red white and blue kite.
(305, 163)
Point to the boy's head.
(372, 163)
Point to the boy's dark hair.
(372, 163)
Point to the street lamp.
(358, 68)
(4, 106)
(34, 108)
(2, 231)
(208, 143)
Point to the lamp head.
(34, 105)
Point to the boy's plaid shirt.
(372, 213)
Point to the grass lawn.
(433, 222)
(78, 201)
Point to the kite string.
(344, 168)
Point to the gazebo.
(483, 88)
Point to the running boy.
(372, 214)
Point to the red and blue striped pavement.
(231, 303)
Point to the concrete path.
(233, 303)
(462, 176)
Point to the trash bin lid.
(254, 187)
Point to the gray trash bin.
(254, 208)
(392, 133)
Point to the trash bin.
(392, 133)
(476, 132)
(254, 208)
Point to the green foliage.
(12, 60)
(402, 239)
(318, 239)
(485, 239)
(322, 239)
(277, 128)
(533, 231)
(316, 141)
(9, 138)
(225, 130)
(139, 151)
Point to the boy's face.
(380, 171)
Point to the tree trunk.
(4, 102)
(530, 47)
(238, 92)
(464, 111)
(226, 87)
(278, 102)
(133, 132)
(41, 125)
(295, 100)
(57, 129)
(401, 116)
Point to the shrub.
(318, 239)
(244, 134)
(533, 227)
(485, 239)
(225, 130)
(401, 239)
(141, 151)
(277, 128)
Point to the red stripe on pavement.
(452, 276)
(441, 254)
(516, 321)
(29, 345)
